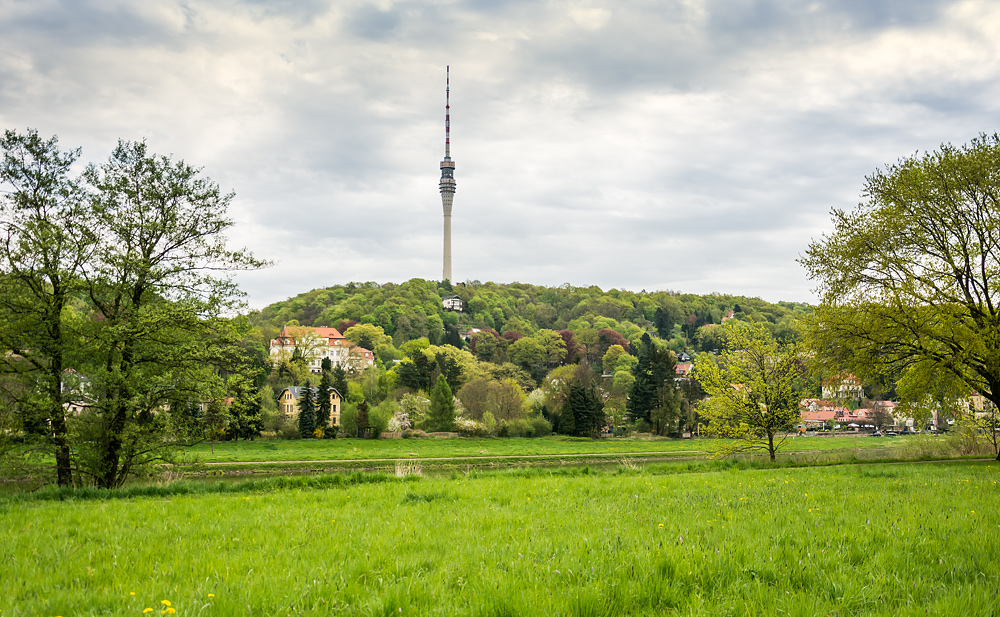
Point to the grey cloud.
(650, 147)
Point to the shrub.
(469, 427)
(349, 419)
(540, 426)
(414, 433)
(289, 430)
(378, 418)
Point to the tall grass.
(865, 540)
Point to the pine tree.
(307, 412)
(567, 417)
(340, 381)
(363, 423)
(441, 414)
(654, 394)
(323, 408)
(582, 412)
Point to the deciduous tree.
(911, 275)
(159, 330)
(45, 239)
(751, 397)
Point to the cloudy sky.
(689, 145)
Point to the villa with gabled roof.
(317, 343)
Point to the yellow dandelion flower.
(170, 610)
(131, 593)
(147, 610)
(211, 595)
(660, 525)
(165, 602)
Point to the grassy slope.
(872, 540)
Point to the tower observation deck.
(447, 184)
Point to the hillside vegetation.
(413, 309)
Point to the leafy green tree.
(441, 413)
(159, 330)
(47, 239)
(487, 346)
(369, 336)
(610, 359)
(307, 411)
(750, 388)
(911, 275)
(216, 420)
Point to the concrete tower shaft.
(447, 184)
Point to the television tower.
(447, 176)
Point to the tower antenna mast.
(447, 184)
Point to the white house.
(452, 303)
(315, 344)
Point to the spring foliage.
(751, 398)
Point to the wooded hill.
(410, 310)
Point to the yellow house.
(288, 403)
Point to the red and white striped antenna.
(447, 112)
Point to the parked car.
(890, 433)
(876, 434)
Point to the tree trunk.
(770, 445)
(112, 449)
(64, 470)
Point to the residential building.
(288, 403)
(452, 303)
(317, 343)
(843, 387)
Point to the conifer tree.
(323, 408)
(654, 394)
(340, 381)
(441, 414)
(363, 423)
(567, 419)
(307, 412)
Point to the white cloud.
(694, 145)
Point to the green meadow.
(458, 448)
(901, 539)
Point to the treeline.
(411, 310)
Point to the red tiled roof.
(289, 333)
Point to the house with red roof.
(318, 343)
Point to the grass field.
(365, 449)
(910, 539)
